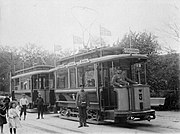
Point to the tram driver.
(120, 79)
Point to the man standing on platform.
(82, 102)
(23, 105)
(120, 79)
(40, 106)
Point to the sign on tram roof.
(71, 64)
(83, 61)
(131, 50)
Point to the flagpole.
(74, 49)
(101, 53)
(83, 39)
(130, 36)
(100, 36)
(55, 73)
(55, 56)
(74, 52)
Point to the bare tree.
(32, 54)
(172, 29)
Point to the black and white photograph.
(89, 66)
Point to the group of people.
(9, 110)
(82, 103)
(12, 111)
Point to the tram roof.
(104, 49)
(30, 73)
(105, 58)
(94, 60)
(120, 56)
(34, 67)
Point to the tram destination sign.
(71, 64)
(83, 61)
(131, 50)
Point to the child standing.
(2, 114)
(14, 121)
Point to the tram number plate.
(140, 96)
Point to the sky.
(54, 22)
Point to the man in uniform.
(119, 79)
(23, 105)
(82, 102)
(40, 106)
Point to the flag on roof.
(57, 48)
(104, 31)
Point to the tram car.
(32, 81)
(95, 70)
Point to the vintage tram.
(31, 81)
(95, 70)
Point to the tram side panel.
(133, 102)
(123, 101)
(66, 102)
(141, 98)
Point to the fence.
(172, 98)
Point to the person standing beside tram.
(13, 118)
(23, 105)
(40, 106)
(2, 114)
(120, 80)
(82, 102)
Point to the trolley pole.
(55, 73)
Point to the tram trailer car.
(31, 81)
(106, 102)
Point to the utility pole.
(10, 74)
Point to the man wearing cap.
(119, 79)
(82, 102)
(40, 106)
(23, 104)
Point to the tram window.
(80, 76)
(62, 79)
(17, 82)
(46, 82)
(21, 85)
(52, 80)
(25, 85)
(138, 73)
(72, 78)
(36, 84)
(51, 83)
(86, 76)
(39, 83)
(29, 84)
(105, 75)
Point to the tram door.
(40, 84)
(45, 95)
(108, 97)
